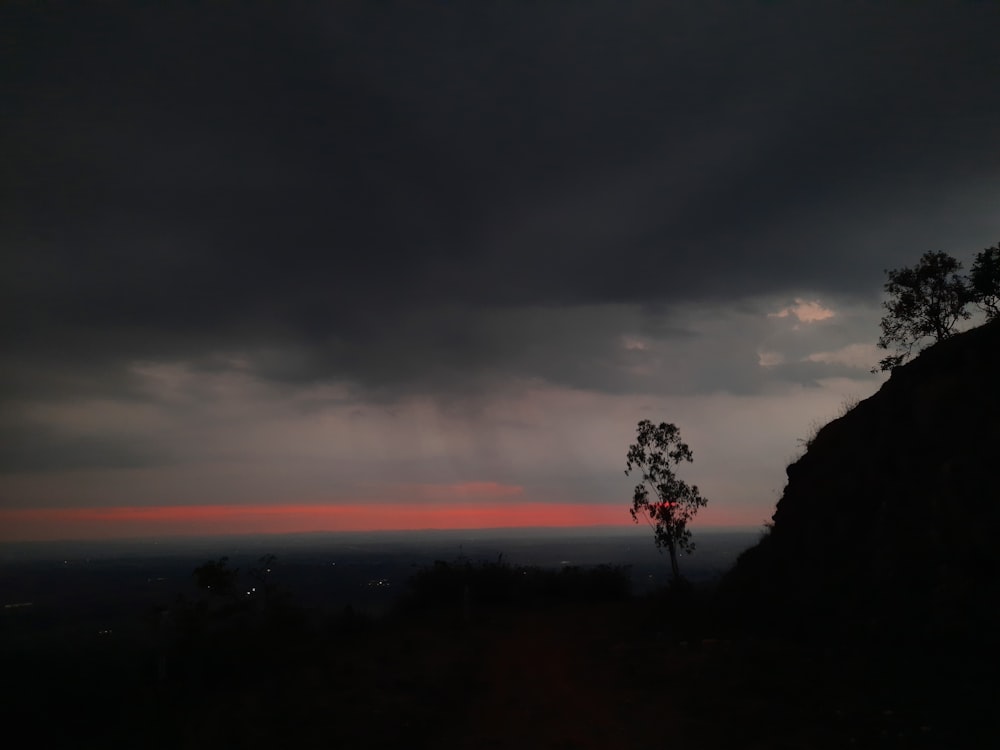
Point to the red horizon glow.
(49, 524)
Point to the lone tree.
(925, 301)
(984, 281)
(664, 501)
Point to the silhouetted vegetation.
(674, 502)
(927, 301)
(984, 281)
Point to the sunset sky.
(282, 266)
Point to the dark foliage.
(217, 578)
(984, 280)
(666, 502)
(926, 302)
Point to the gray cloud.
(435, 200)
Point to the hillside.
(887, 526)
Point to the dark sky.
(319, 235)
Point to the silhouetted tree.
(666, 502)
(217, 577)
(984, 281)
(925, 301)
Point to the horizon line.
(169, 521)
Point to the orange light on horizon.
(47, 524)
(183, 520)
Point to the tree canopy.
(926, 302)
(667, 503)
(984, 281)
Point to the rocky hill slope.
(889, 523)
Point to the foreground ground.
(576, 675)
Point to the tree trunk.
(675, 569)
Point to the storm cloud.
(340, 207)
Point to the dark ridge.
(887, 526)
